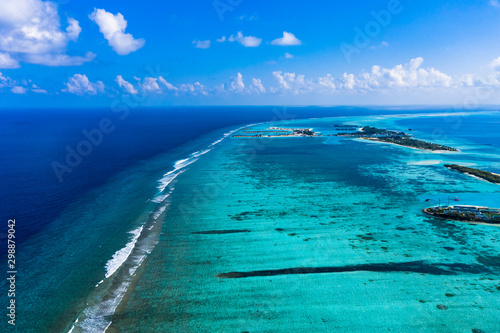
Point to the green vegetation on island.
(413, 143)
(395, 137)
(368, 130)
(491, 177)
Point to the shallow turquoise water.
(61, 267)
(328, 234)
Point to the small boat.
(427, 200)
(457, 199)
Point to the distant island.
(466, 213)
(413, 143)
(394, 137)
(278, 132)
(486, 175)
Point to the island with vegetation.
(394, 137)
(486, 175)
(466, 213)
(414, 143)
(278, 132)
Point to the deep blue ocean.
(83, 203)
(31, 140)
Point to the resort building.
(468, 208)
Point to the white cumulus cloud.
(168, 85)
(237, 84)
(36, 28)
(19, 87)
(201, 44)
(407, 76)
(126, 86)
(150, 84)
(6, 61)
(287, 40)
(347, 81)
(30, 28)
(79, 84)
(37, 89)
(327, 83)
(246, 41)
(257, 86)
(411, 77)
(401, 76)
(113, 28)
(18, 90)
(5, 81)
(194, 89)
(495, 63)
(59, 59)
(291, 82)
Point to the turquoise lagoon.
(326, 234)
(320, 234)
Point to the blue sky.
(229, 52)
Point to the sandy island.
(395, 144)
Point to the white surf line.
(439, 114)
(164, 182)
(97, 316)
(121, 256)
(73, 327)
(182, 164)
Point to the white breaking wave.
(181, 164)
(97, 318)
(160, 211)
(224, 136)
(178, 164)
(166, 180)
(73, 327)
(199, 153)
(121, 255)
